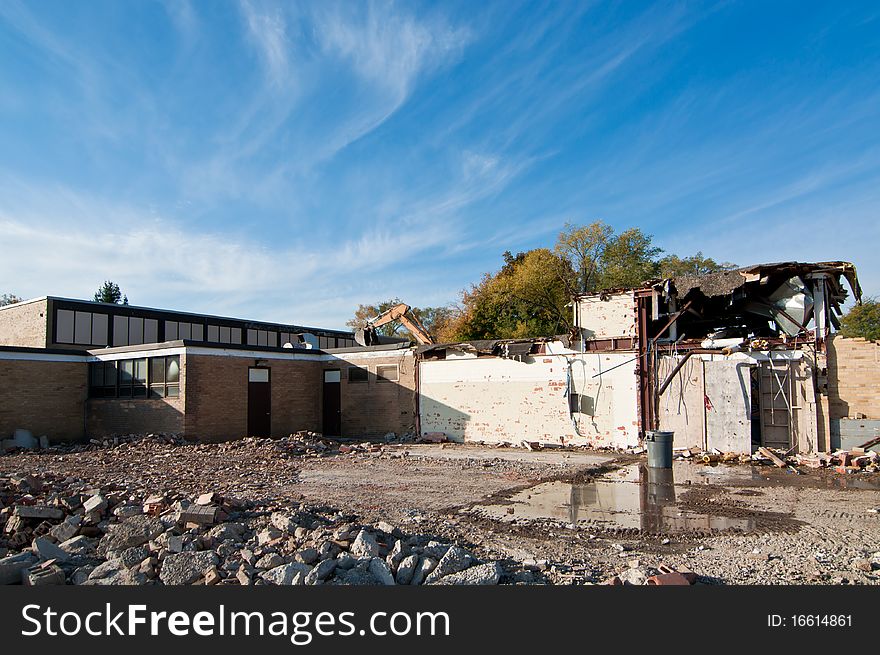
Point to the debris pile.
(663, 576)
(56, 531)
(854, 460)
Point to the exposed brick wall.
(45, 397)
(24, 324)
(114, 416)
(373, 408)
(853, 378)
(217, 396)
(117, 416)
(296, 396)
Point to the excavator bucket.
(366, 336)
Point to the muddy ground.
(561, 517)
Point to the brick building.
(72, 369)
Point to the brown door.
(259, 403)
(332, 404)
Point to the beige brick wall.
(853, 378)
(217, 396)
(24, 324)
(115, 416)
(372, 408)
(45, 397)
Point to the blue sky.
(287, 161)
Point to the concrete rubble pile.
(298, 444)
(64, 531)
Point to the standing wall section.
(43, 393)
(217, 395)
(494, 400)
(24, 324)
(374, 407)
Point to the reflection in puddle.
(635, 497)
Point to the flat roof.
(92, 303)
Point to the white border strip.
(209, 352)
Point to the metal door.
(332, 403)
(778, 400)
(259, 403)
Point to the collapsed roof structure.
(767, 300)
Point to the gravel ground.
(818, 528)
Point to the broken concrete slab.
(11, 567)
(320, 572)
(481, 574)
(45, 549)
(380, 571)
(96, 503)
(456, 559)
(186, 568)
(406, 569)
(285, 574)
(134, 531)
(365, 545)
(38, 512)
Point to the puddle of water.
(634, 497)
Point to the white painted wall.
(613, 317)
(708, 403)
(494, 400)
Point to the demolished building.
(733, 360)
(730, 361)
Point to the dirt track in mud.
(573, 517)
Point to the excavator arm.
(368, 335)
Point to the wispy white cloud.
(267, 29)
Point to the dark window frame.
(135, 388)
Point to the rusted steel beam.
(672, 319)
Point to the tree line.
(527, 296)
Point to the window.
(357, 374)
(151, 330)
(81, 328)
(165, 377)
(386, 373)
(214, 333)
(258, 375)
(102, 383)
(120, 330)
(262, 338)
(293, 338)
(171, 330)
(131, 378)
(135, 331)
(100, 329)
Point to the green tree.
(526, 298)
(675, 266)
(110, 292)
(597, 258)
(8, 299)
(862, 321)
(583, 248)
